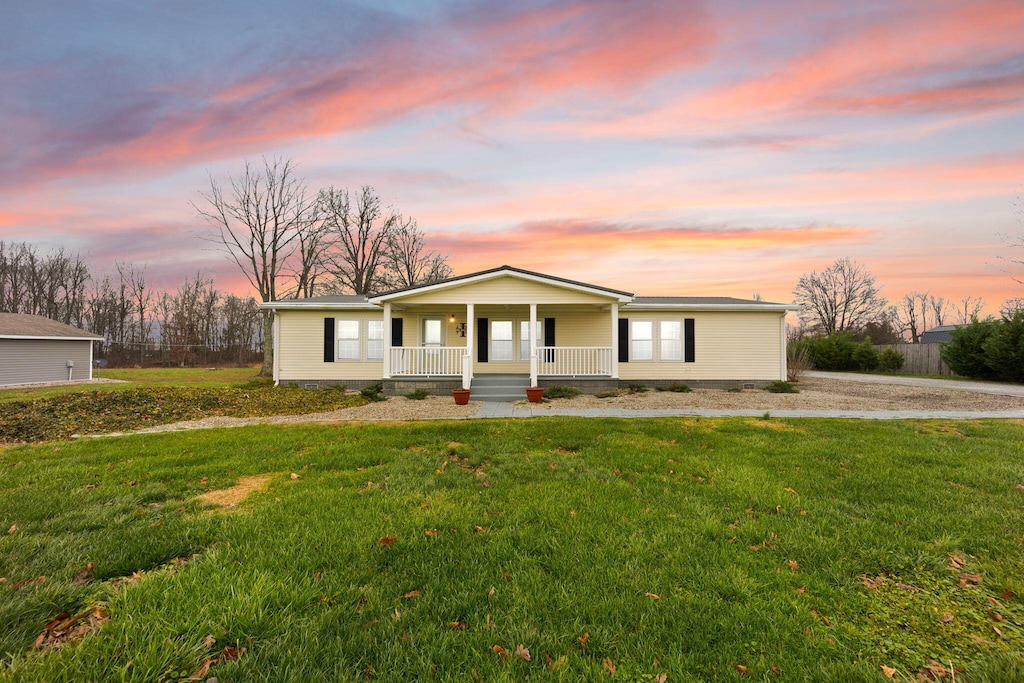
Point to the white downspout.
(276, 341)
(782, 342)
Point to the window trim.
(339, 323)
(524, 344)
(511, 341)
(366, 345)
(632, 349)
(679, 340)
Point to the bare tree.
(843, 297)
(360, 230)
(968, 309)
(908, 318)
(258, 220)
(409, 262)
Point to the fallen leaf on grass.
(431, 532)
(653, 596)
(776, 670)
(979, 639)
(500, 651)
(969, 578)
(742, 669)
(12, 530)
(821, 616)
(583, 641)
(387, 541)
(794, 566)
(1008, 594)
(478, 529)
(412, 594)
(228, 654)
(996, 616)
(956, 561)
(65, 628)
(946, 617)
(873, 583)
(294, 476)
(522, 653)
(661, 678)
(936, 669)
(1020, 487)
(998, 632)
(789, 490)
(609, 665)
(554, 664)
(888, 671)
(209, 641)
(458, 625)
(490, 594)
(84, 576)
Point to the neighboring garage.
(35, 349)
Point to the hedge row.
(839, 352)
(988, 349)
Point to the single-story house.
(517, 328)
(35, 349)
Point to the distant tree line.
(846, 298)
(290, 241)
(140, 325)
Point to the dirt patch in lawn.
(233, 495)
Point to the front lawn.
(135, 378)
(544, 549)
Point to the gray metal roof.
(334, 299)
(938, 334)
(38, 327)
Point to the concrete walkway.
(959, 385)
(510, 410)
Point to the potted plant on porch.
(534, 394)
(461, 396)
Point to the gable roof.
(498, 272)
(24, 326)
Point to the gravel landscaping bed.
(815, 394)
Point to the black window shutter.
(481, 340)
(623, 340)
(396, 331)
(549, 339)
(328, 340)
(688, 351)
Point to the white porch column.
(615, 340)
(533, 345)
(467, 361)
(387, 340)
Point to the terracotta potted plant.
(461, 396)
(534, 394)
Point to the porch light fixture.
(451, 318)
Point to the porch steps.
(499, 387)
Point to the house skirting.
(350, 384)
(591, 385)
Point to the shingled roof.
(38, 327)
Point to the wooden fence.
(919, 359)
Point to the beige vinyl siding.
(301, 347)
(728, 345)
(27, 361)
(504, 290)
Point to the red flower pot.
(461, 396)
(534, 394)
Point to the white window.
(671, 339)
(501, 340)
(374, 339)
(432, 331)
(348, 340)
(524, 338)
(641, 340)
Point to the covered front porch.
(460, 341)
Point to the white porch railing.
(427, 360)
(574, 361)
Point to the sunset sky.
(658, 146)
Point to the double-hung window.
(501, 340)
(641, 340)
(524, 338)
(671, 339)
(348, 340)
(374, 339)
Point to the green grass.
(133, 378)
(548, 531)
